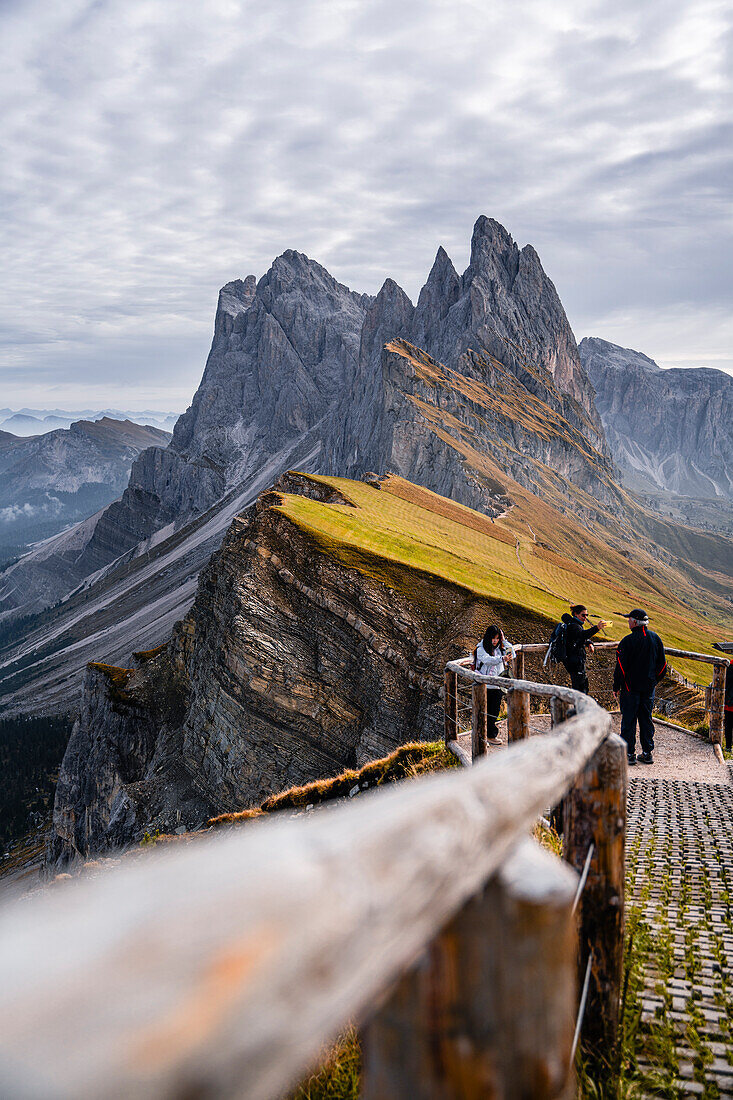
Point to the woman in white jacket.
(490, 659)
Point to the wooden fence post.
(517, 715)
(478, 721)
(558, 711)
(595, 814)
(450, 687)
(517, 705)
(717, 704)
(489, 1011)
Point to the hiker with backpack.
(569, 643)
(640, 665)
(490, 658)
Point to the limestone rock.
(288, 667)
(668, 429)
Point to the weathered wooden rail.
(220, 968)
(592, 817)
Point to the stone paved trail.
(680, 900)
(680, 910)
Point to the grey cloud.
(52, 507)
(156, 150)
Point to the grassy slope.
(402, 525)
(698, 566)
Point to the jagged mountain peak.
(390, 314)
(235, 298)
(390, 293)
(441, 292)
(443, 284)
(493, 252)
(293, 271)
(241, 291)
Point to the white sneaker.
(494, 741)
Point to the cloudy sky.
(153, 150)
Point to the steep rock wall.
(668, 429)
(291, 665)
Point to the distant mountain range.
(49, 482)
(27, 422)
(668, 430)
(477, 391)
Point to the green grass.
(407, 538)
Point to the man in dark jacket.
(578, 640)
(640, 664)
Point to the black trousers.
(637, 707)
(728, 727)
(578, 677)
(493, 706)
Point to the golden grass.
(403, 535)
(406, 762)
(148, 654)
(118, 679)
(338, 1076)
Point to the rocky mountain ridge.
(50, 481)
(297, 357)
(667, 429)
(475, 392)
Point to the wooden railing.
(591, 817)
(221, 967)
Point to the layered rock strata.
(300, 657)
(288, 667)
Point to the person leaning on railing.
(490, 659)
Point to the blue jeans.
(635, 706)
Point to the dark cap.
(638, 614)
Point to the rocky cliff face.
(667, 429)
(317, 641)
(288, 667)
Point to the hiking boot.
(646, 758)
(494, 741)
(631, 758)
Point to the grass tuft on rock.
(338, 1075)
(118, 679)
(406, 762)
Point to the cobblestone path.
(680, 912)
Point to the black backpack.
(557, 650)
